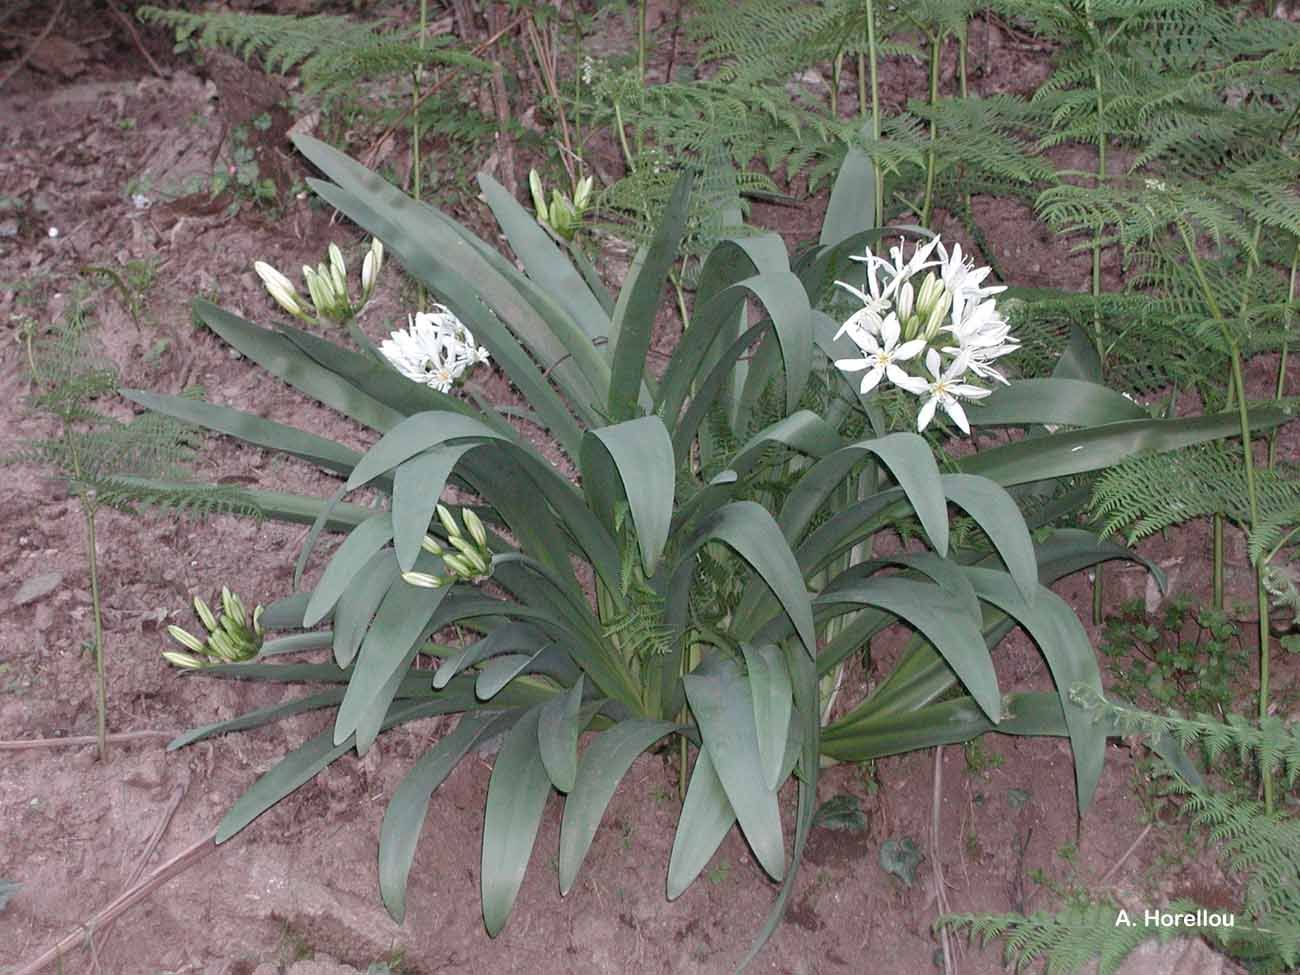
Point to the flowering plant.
(948, 312)
(327, 284)
(436, 349)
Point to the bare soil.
(84, 127)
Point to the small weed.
(1180, 657)
(980, 759)
(719, 873)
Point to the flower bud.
(460, 565)
(280, 288)
(906, 301)
(205, 615)
(185, 639)
(582, 194)
(539, 194)
(336, 263)
(182, 660)
(430, 545)
(370, 268)
(318, 288)
(475, 526)
(423, 580)
(937, 314)
(448, 522)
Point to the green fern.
(331, 54)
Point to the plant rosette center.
(922, 308)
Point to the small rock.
(37, 587)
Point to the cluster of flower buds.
(436, 350)
(468, 560)
(924, 307)
(327, 285)
(232, 638)
(562, 216)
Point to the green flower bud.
(205, 615)
(186, 639)
(475, 526)
(423, 580)
(539, 195)
(430, 545)
(460, 565)
(183, 660)
(448, 522)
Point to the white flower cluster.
(436, 349)
(933, 303)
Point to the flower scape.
(922, 308)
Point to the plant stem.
(640, 40)
(1280, 388)
(1252, 494)
(873, 59)
(101, 690)
(415, 134)
(936, 50)
(837, 68)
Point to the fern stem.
(416, 163)
(936, 49)
(1287, 320)
(101, 684)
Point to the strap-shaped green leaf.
(804, 431)
(724, 710)
(634, 313)
(748, 529)
(543, 260)
(558, 727)
(404, 818)
(356, 606)
(602, 766)
(1065, 644)
(250, 428)
(772, 693)
(516, 797)
(413, 435)
(1080, 451)
(498, 672)
(281, 357)
(852, 206)
(515, 635)
(1065, 401)
(417, 487)
(997, 513)
(642, 453)
(399, 623)
(946, 623)
(259, 717)
(701, 828)
(362, 542)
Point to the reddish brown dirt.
(75, 143)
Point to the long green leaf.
(997, 514)
(773, 696)
(706, 817)
(516, 797)
(558, 727)
(724, 710)
(417, 487)
(1063, 401)
(250, 428)
(357, 549)
(404, 818)
(946, 623)
(852, 206)
(603, 765)
(634, 315)
(642, 452)
(412, 436)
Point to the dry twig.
(122, 903)
(25, 744)
(40, 39)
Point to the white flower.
(436, 349)
(964, 281)
(982, 336)
(882, 356)
(945, 388)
